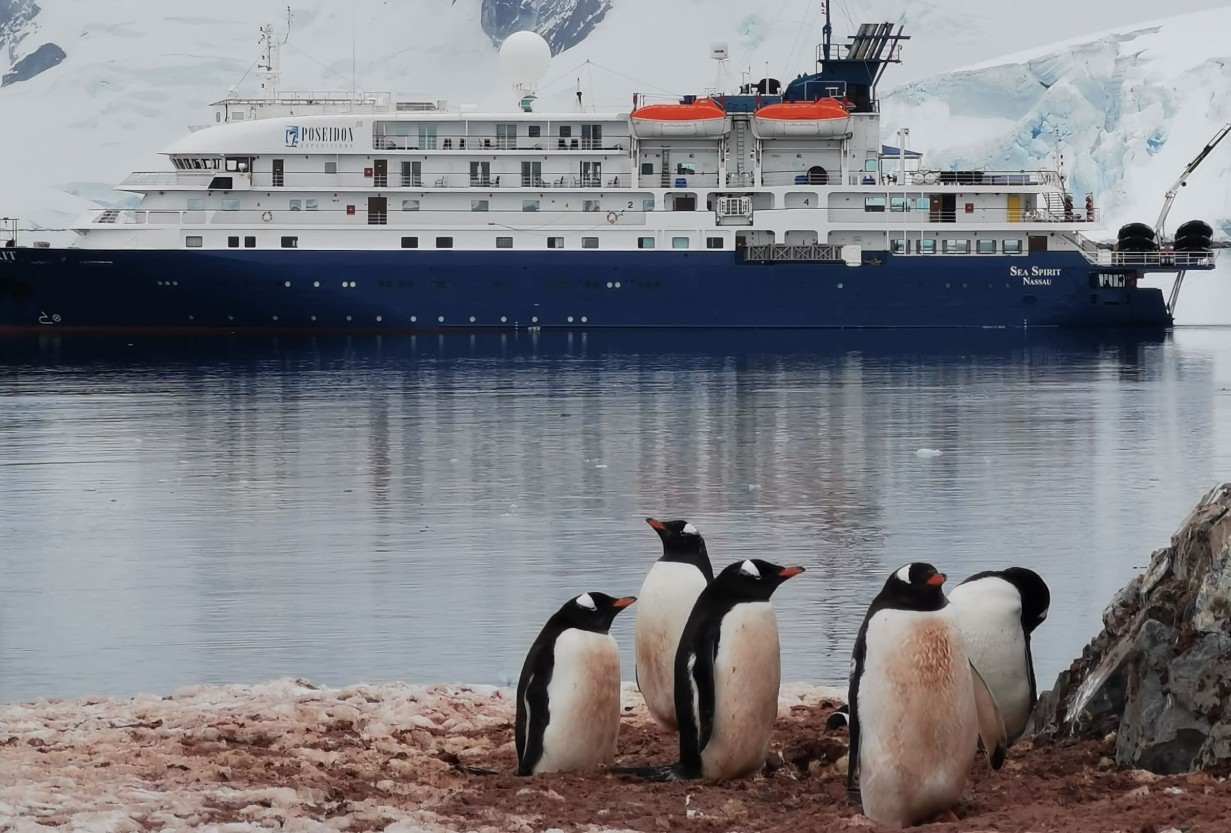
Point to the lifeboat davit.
(703, 118)
(825, 118)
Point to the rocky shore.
(1134, 737)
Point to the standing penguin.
(727, 673)
(568, 697)
(917, 705)
(997, 611)
(667, 595)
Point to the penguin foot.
(456, 762)
(671, 772)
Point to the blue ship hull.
(305, 290)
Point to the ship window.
(591, 136)
(679, 242)
(410, 205)
(534, 131)
(427, 137)
(233, 242)
(479, 205)
(589, 242)
(444, 242)
(311, 205)
(923, 203)
(899, 204)
(985, 247)
(331, 167)
(685, 169)
(647, 168)
(410, 242)
(590, 205)
(250, 242)
(290, 242)
(957, 247)
(555, 242)
(193, 241)
(873, 203)
(927, 247)
(1012, 247)
(296, 205)
(713, 243)
(645, 242)
(504, 242)
(565, 131)
(196, 205)
(870, 165)
(647, 204)
(529, 205)
(230, 205)
(506, 136)
(898, 247)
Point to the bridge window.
(1011, 247)
(985, 247)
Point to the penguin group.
(933, 677)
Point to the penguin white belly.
(666, 599)
(917, 716)
(995, 643)
(583, 703)
(747, 673)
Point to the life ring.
(612, 217)
(267, 216)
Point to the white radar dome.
(524, 56)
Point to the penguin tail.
(671, 772)
(839, 718)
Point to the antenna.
(269, 62)
(352, 48)
(827, 31)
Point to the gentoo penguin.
(568, 697)
(917, 705)
(997, 611)
(667, 595)
(727, 672)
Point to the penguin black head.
(753, 580)
(916, 586)
(682, 542)
(1030, 587)
(591, 611)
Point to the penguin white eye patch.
(584, 600)
(750, 569)
(689, 529)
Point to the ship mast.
(269, 62)
(826, 32)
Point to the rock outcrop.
(1159, 674)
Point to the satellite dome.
(524, 56)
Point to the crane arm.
(1179, 183)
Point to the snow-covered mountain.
(94, 90)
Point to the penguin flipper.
(694, 696)
(991, 722)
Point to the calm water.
(376, 509)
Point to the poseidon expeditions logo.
(298, 136)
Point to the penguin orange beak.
(791, 571)
(624, 602)
(937, 580)
(656, 524)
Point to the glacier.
(1128, 106)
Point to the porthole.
(348, 318)
(414, 318)
(570, 319)
(472, 319)
(617, 284)
(314, 318)
(534, 319)
(317, 284)
(584, 319)
(379, 319)
(609, 284)
(840, 286)
(440, 319)
(275, 318)
(504, 319)
(230, 318)
(287, 284)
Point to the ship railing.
(890, 208)
(168, 179)
(394, 179)
(314, 98)
(787, 253)
(953, 178)
(1165, 259)
(480, 143)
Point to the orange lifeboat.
(702, 117)
(824, 118)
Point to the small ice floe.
(754, 487)
(928, 452)
(600, 466)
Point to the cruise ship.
(771, 205)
